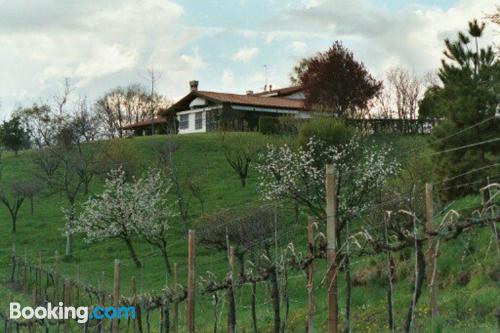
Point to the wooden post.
(175, 310)
(310, 276)
(133, 283)
(190, 282)
(67, 302)
(116, 294)
(231, 320)
(432, 253)
(331, 234)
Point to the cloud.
(97, 45)
(227, 77)
(298, 46)
(245, 54)
(411, 36)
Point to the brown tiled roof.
(252, 100)
(281, 91)
(147, 122)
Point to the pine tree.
(469, 95)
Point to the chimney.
(249, 92)
(193, 85)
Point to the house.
(205, 111)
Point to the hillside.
(468, 294)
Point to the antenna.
(265, 77)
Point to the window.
(198, 120)
(184, 121)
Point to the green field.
(463, 308)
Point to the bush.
(118, 154)
(269, 125)
(329, 130)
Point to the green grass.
(467, 308)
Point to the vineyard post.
(133, 283)
(310, 276)
(175, 310)
(232, 302)
(432, 253)
(331, 233)
(116, 295)
(67, 302)
(191, 282)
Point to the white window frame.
(184, 121)
(198, 120)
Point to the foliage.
(40, 122)
(269, 125)
(468, 96)
(299, 175)
(240, 151)
(335, 80)
(245, 228)
(13, 135)
(328, 130)
(116, 154)
(125, 210)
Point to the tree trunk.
(243, 180)
(69, 244)
(254, 307)
(166, 261)
(133, 255)
(348, 288)
(14, 224)
(420, 276)
(275, 295)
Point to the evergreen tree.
(469, 95)
(13, 136)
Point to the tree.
(153, 213)
(403, 90)
(185, 185)
(40, 122)
(13, 136)
(122, 106)
(13, 198)
(298, 176)
(110, 214)
(240, 150)
(66, 167)
(336, 81)
(467, 96)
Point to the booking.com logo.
(81, 314)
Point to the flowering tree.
(153, 212)
(126, 210)
(299, 175)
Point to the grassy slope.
(463, 308)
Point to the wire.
(467, 173)
(464, 146)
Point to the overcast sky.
(224, 44)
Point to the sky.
(230, 46)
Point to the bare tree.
(240, 150)
(185, 186)
(66, 168)
(404, 90)
(13, 198)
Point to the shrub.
(329, 130)
(269, 125)
(118, 154)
